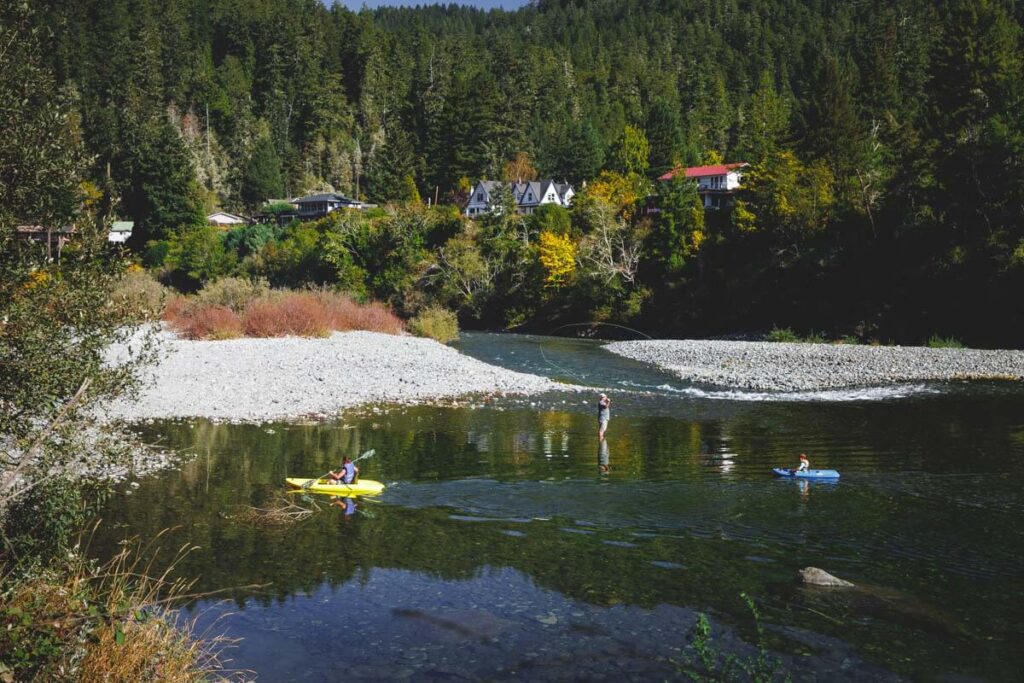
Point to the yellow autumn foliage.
(558, 256)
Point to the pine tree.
(665, 136)
(262, 178)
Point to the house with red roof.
(715, 183)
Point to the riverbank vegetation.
(883, 196)
(234, 308)
(62, 617)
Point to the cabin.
(223, 219)
(528, 196)
(120, 231)
(715, 183)
(316, 206)
(52, 238)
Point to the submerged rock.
(819, 577)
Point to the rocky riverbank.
(771, 366)
(281, 378)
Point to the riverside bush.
(234, 292)
(294, 313)
(937, 342)
(76, 620)
(138, 295)
(436, 323)
(782, 334)
(238, 307)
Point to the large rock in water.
(820, 577)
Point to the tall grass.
(275, 314)
(112, 622)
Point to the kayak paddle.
(367, 454)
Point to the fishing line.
(540, 343)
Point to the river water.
(510, 545)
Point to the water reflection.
(691, 517)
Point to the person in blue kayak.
(604, 414)
(803, 466)
(348, 474)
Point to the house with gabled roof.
(319, 205)
(528, 196)
(716, 183)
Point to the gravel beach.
(265, 379)
(772, 366)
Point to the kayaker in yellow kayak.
(348, 474)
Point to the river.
(510, 545)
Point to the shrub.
(205, 321)
(82, 621)
(138, 296)
(376, 317)
(234, 292)
(436, 323)
(300, 313)
(937, 342)
(814, 338)
(782, 334)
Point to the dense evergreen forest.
(886, 142)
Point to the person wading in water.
(604, 413)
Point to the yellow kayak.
(363, 487)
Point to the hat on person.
(803, 457)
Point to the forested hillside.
(885, 196)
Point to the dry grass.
(274, 314)
(110, 623)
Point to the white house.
(120, 231)
(223, 219)
(526, 195)
(715, 184)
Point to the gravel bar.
(772, 366)
(255, 380)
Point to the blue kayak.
(808, 474)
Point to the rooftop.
(703, 171)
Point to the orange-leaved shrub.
(279, 314)
(346, 314)
(208, 322)
(293, 313)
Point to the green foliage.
(232, 292)
(261, 179)
(632, 152)
(250, 239)
(782, 334)
(706, 662)
(938, 342)
(436, 323)
(883, 135)
(197, 255)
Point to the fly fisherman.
(604, 413)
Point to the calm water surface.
(502, 549)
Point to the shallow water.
(500, 548)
